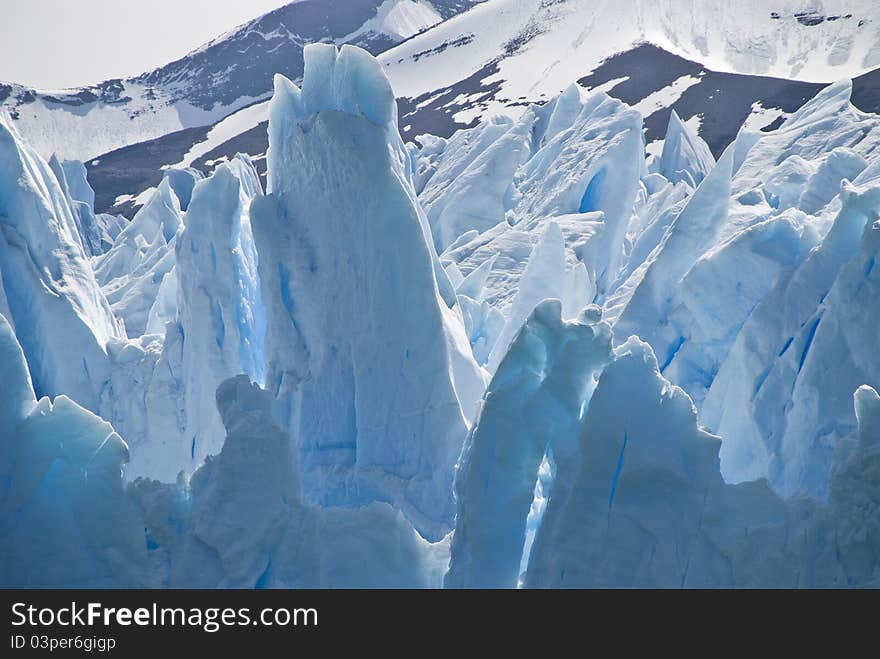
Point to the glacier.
(527, 355)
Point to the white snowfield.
(540, 47)
(528, 355)
(85, 132)
(399, 19)
(76, 124)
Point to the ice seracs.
(531, 409)
(764, 361)
(357, 348)
(853, 492)
(478, 196)
(207, 322)
(553, 189)
(544, 277)
(69, 520)
(580, 153)
(649, 508)
(268, 537)
(764, 378)
(71, 176)
(220, 310)
(183, 182)
(49, 290)
(526, 355)
(685, 156)
(645, 303)
(131, 272)
(63, 514)
(834, 357)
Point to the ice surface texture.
(358, 344)
(68, 519)
(525, 355)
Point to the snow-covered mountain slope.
(536, 45)
(230, 72)
(448, 82)
(503, 55)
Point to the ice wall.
(649, 507)
(358, 346)
(531, 409)
(60, 315)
